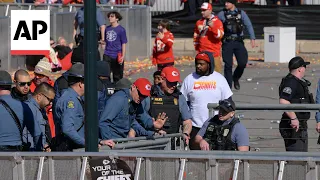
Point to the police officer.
(168, 99)
(69, 113)
(41, 98)
(224, 131)
(22, 82)
(120, 112)
(294, 90)
(15, 115)
(79, 22)
(234, 20)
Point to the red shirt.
(162, 49)
(207, 38)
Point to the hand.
(186, 138)
(102, 42)
(253, 43)
(109, 143)
(204, 145)
(121, 60)
(132, 133)
(318, 127)
(160, 35)
(161, 119)
(161, 132)
(295, 124)
(47, 148)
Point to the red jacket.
(207, 38)
(162, 49)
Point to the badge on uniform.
(70, 105)
(226, 132)
(175, 101)
(287, 90)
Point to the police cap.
(77, 70)
(297, 62)
(103, 69)
(228, 105)
(5, 78)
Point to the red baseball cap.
(202, 56)
(143, 85)
(206, 6)
(171, 74)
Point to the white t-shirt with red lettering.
(201, 90)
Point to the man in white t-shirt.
(202, 87)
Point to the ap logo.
(30, 32)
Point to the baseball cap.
(297, 62)
(77, 70)
(203, 56)
(43, 68)
(171, 74)
(5, 78)
(206, 6)
(143, 85)
(228, 105)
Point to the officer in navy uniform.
(224, 131)
(69, 114)
(234, 20)
(41, 98)
(166, 98)
(15, 115)
(294, 90)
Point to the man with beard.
(22, 82)
(202, 87)
(42, 73)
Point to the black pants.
(294, 141)
(192, 144)
(239, 50)
(115, 68)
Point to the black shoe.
(236, 84)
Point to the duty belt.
(233, 38)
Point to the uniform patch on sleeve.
(287, 90)
(70, 105)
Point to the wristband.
(186, 134)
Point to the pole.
(90, 52)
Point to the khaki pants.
(218, 64)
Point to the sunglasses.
(50, 100)
(171, 84)
(21, 84)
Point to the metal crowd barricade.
(160, 164)
(136, 21)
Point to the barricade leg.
(246, 168)
(83, 168)
(40, 169)
(51, 168)
(281, 170)
(138, 167)
(236, 169)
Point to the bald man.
(22, 82)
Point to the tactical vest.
(233, 23)
(218, 136)
(169, 105)
(302, 96)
